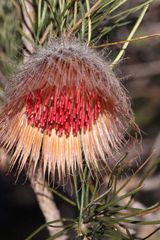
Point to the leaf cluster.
(108, 214)
(89, 20)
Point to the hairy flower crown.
(63, 106)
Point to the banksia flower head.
(64, 106)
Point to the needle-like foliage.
(107, 213)
(88, 20)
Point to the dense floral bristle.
(68, 109)
(64, 106)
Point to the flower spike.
(64, 105)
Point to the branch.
(28, 16)
(43, 195)
(46, 204)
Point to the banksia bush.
(66, 114)
(63, 104)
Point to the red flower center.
(66, 110)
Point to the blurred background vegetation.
(140, 69)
